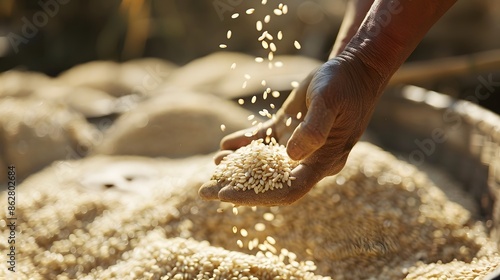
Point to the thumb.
(313, 132)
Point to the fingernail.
(294, 150)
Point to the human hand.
(337, 104)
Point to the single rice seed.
(260, 227)
(272, 46)
(259, 59)
(285, 9)
(222, 46)
(235, 229)
(250, 11)
(278, 12)
(280, 35)
(241, 101)
(275, 94)
(288, 121)
(244, 85)
(270, 56)
(269, 131)
(278, 64)
(297, 45)
(235, 15)
(229, 34)
(299, 115)
(247, 76)
(233, 65)
(265, 45)
(222, 127)
(258, 25)
(295, 84)
(272, 106)
(267, 18)
(243, 232)
(250, 117)
(254, 98)
(264, 2)
(263, 83)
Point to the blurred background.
(51, 36)
(54, 38)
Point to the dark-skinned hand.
(337, 101)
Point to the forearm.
(391, 31)
(354, 15)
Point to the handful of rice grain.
(257, 166)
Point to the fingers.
(219, 156)
(306, 178)
(210, 190)
(313, 132)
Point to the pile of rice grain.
(258, 166)
(379, 215)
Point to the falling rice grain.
(272, 46)
(247, 76)
(229, 34)
(269, 131)
(270, 56)
(285, 9)
(264, 95)
(272, 106)
(263, 83)
(278, 12)
(299, 115)
(264, 2)
(222, 127)
(235, 15)
(278, 64)
(235, 229)
(240, 243)
(275, 94)
(295, 84)
(250, 117)
(250, 11)
(297, 45)
(271, 240)
(254, 98)
(222, 46)
(288, 121)
(268, 217)
(280, 35)
(259, 59)
(241, 101)
(243, 232)
(233, 65)
(258, 25)
(244, 85)
(265, 45)
(267, 18)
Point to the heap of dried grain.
(258, 166)
(379, 215)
